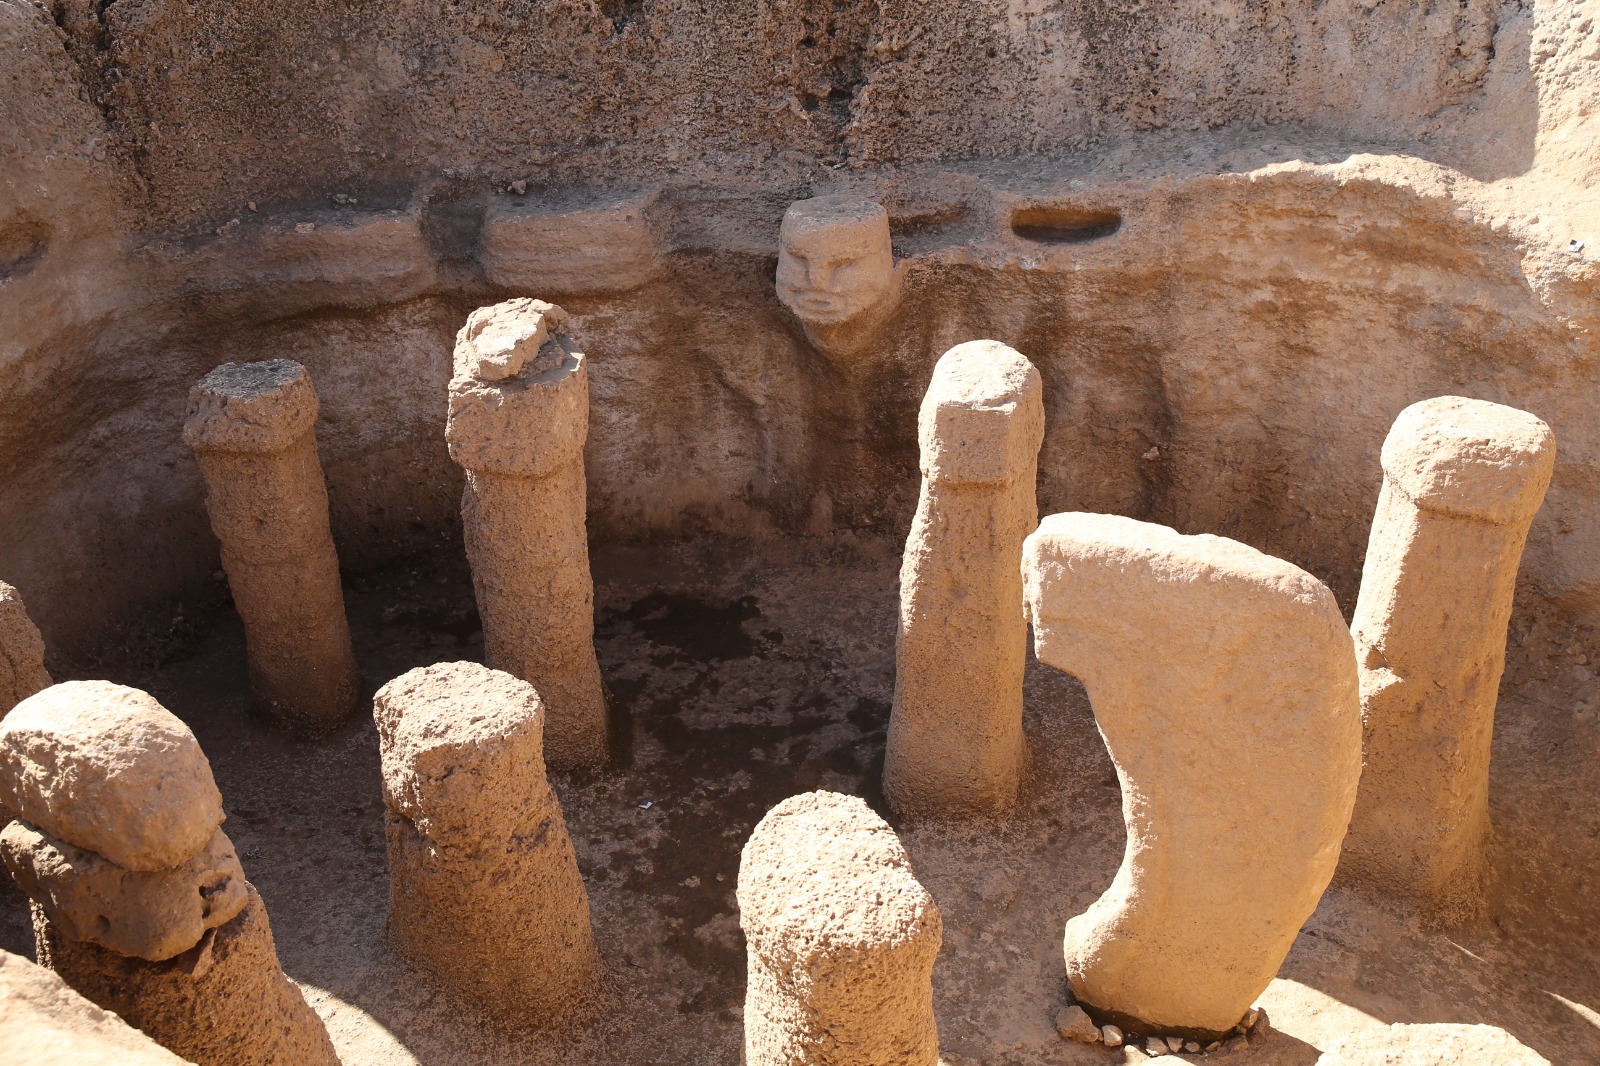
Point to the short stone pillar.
(484, 890)
(841, 940)
(139, 902)
(1224, 683)
(519, 416)
(1461, 482)
(22, 671)
(250, 425)
(955, 735)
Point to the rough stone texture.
(43, 1022)
(22, 671)
(150, 916)
(225, 1002)
(836, 271)
(1432, 1045)
(110, 770)
(1462, 480)
(251, 426)
(841, 940)
(534, 246)
(484, 894)
(1224, 683)
(955, 741)
(519, 416)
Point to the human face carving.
(835, 264)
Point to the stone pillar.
(1224, 683)
(841, 940)
(22, 671)
(139, 902)
(1461, 482)
(45, 1023)
(250, 425)
(484, 890)
(955, 736)
(519, 416)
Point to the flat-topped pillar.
(251, 428)
(519, 416)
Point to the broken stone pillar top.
(982, 418)
(519, 395)
(110, 770)
(460, 744)
(822, 875)
(1470, 458)
(251, 407)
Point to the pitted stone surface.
(22, 671)
(43, 1022)
(153, 915)
(841, 937)
(110, 770)
(1224, 683)
(955, 743)
(1457, 456)
(251, 407)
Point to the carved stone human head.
(836, 270)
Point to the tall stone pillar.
(139, 902)
(22, 671)
(1224, 683)
(955, 735)
(519, 416)
(841, 940)
(250, 425)
(1461, 482)
(484, 890)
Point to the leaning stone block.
(519, 416)
(955, 735)
(484, 890)
(1224, 683)
(22, 671)
(841, 940)
(251, 428)
(108, 769)
(1462, 480)
(151, 916)
(224, 1002)
(43, 1022)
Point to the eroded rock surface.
(43, 1022)
(22, 671)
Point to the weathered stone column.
(841, 940)
(250, 425)
(1224, 683)
(139, 902)
(22, 671)
(1461, 482)
(955, 735)
(519, 416)
(484, 890)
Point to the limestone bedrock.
(836, 270)
(224, 1002)
(153, 915)
(22, 671)
(110, 770)
(518, 419)
(1224, 683)
(1462, 479)
(841, 940)
(43, 1022)
(484, 889)
(955, 743)
(251, 428)
(1432, 1045)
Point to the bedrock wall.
(1298, 255)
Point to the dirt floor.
(745, 672)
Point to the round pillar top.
(822, 875)
(110, 770)
(1470, 458)
(251, 407)
(982, 418)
